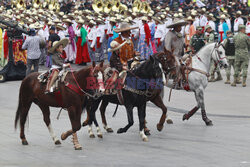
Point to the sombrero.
(124, 27)
(177, 22)
(64, 42)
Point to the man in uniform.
(197, 41)
(242, 44)
(230, 53)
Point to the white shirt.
(220, 27)
(100, 32)
(203, 20)
(211, 23)
(196, 22)
(92, 36)
(61, 34)
(237, 22)
(248, 27)
(228, 21)
(168, 22)
(160, 31)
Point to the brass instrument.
(20, 4)
(108, 4)
(145, 7)
(97, 6)
(36, 4)
(137, 5)
(116, 5)
(122, 9)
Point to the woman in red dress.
(82, 54)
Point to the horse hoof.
(92, 136)
(57, 142)
(100, 136)
(120, 131)
(63, 136)
(184, 117)
(84, 124)
(209, 123)
(159, 127)
(78, 147)
(169, 121)
(25, 143)
(109, 130)
(147, 132)
(145, 139)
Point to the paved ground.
(182, 144)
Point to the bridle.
(168, 69)
(219, 58)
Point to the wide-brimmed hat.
(144, 18)
(67, 21)
(64, 42)
(177, 22)
(207, 27)
(189, 18)
(80, 21)
(210, 15)
(222, 16)
(60, 27)
(124, 27)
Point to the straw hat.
(112, 19)
(64, 42)
(144, 18)
(60, 27)
(124, 27)
(223, 17)
(57, 20)
(158, 19)
(67, 21)
(81, 21)
(177, 22)
(190, 18)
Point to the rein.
(94, 96)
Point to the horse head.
(219, 55)
(168, 62)
(97, 74)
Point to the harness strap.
(74, 88)
(198, 70)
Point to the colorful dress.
(145, 47)
(70, 49)
(82, 54)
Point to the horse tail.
(19, 108)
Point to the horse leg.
(142, 115)
(159, 103)
(200, 100)
(99, 132)
(104, 122)
(75, 119)
(88, 108)
(46, 118)
(146, 130)
(23, 116)
(196, 108)
(130, 120)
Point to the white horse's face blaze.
(100, 82)
(219, 56)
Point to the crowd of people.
(180, 27)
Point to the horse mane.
(204, 47)
(82, 71)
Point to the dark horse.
(168, 64)
(70, 97)
(149, 69)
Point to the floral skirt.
(145, 50)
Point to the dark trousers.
(30, 62)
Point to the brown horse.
(168, 64)
(70, 95)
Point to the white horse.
(197, 78)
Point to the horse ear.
(101, 65)
(152, 59)
(93, 64)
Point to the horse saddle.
(114, 82)
(43, 78)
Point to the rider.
(57, 62)
(123, 52)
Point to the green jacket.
(242, 44)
